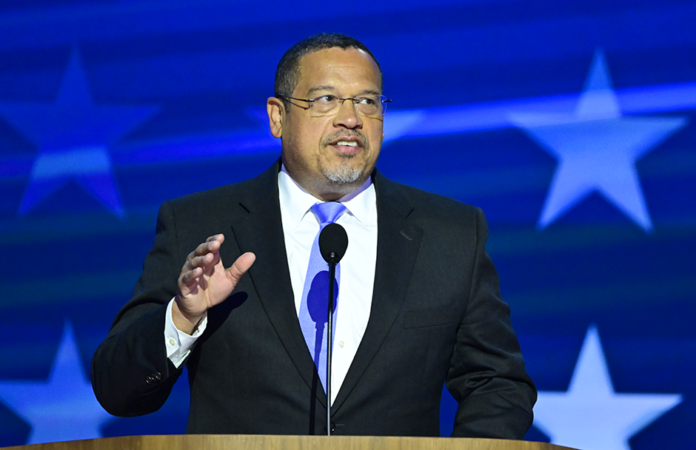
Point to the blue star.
(590, 414)
(73, 136)
(597, 149)
(61, 408)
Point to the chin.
(344, 174)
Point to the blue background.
(110, 107)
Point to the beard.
(345, 173)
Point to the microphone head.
(333, 239)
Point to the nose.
(347, 116)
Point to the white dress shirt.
(300, 227)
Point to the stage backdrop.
(572, 124)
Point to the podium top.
(233, 442)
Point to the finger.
(240, 266)
(204, 261)
(216, 237)
(212, 244)
(189, 278)
(205, 248)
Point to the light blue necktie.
(314, 309)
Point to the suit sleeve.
(131, 374)
(487, 375)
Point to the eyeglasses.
(326, 105)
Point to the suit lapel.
(398, 242)
(257, 227)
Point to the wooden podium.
(248, 442)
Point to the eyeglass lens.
(370, 105)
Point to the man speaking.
(235, 288)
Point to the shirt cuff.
(178, 343)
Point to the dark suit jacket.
(436, 317)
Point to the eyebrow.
(320, 88)
(331, 88)
(369, 91)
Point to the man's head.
(329, 154)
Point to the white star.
(597, 149)
(590, 414)
(61, 408)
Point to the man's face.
(330, 156)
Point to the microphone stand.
(333, 242)
(329, 339)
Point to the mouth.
(347, 144)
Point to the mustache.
(364, 143)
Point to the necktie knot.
(328, 212)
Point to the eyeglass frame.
(383, 100)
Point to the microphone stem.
(329, 341)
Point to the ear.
(276, 111)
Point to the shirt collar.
(295, 202)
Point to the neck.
(328, 191)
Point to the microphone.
(333, 242)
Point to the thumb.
(240, 266)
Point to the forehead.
(349, 69)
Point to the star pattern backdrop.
(572, 124)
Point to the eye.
(369, 101)
(324, 99)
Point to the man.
(418, 301)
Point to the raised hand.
(204, 282)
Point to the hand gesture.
(204, 282)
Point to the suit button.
(333, 427)
(153, 378)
